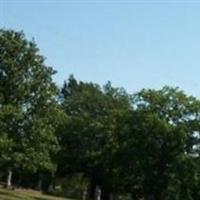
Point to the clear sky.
(134, 44)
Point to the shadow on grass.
(9, 194)
(20, 197)
(39, 198)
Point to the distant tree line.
(110, 144)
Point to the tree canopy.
(141, 146)
(28, 107)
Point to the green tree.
(88, 139)
(161, 144)
(28, 106)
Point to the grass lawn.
(21, 194)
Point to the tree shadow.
(9, 194)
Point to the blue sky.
(134, 44)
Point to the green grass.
(21, 194)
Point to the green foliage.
(163, 141)
(88, 139)
(141, 146)
(27, 104)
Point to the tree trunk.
(105, 195)
(92, 189)
(112, 196)
(51, 184)
(19, 180)
(85, 193)
(9, 179)
(98, 193)
(39, 185)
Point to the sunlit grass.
(20, 194)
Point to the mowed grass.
(21, 194)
